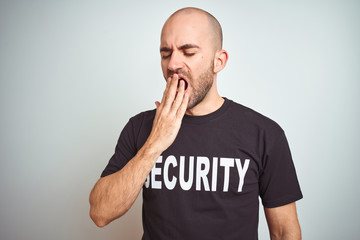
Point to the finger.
(182, 109)
(171, 91)
(179, 97)
(157, 103)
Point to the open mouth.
(186, 83)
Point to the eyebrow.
(183, 47)
(188, 46)
(165, 49)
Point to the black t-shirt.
(207, 183)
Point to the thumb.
(157, 104)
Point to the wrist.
(150, 150)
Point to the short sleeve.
(124, 151)
(278, 182)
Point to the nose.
(176, 62)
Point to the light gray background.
(73, 72)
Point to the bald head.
(214, 31)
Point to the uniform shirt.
(207, 184)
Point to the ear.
(220, 60)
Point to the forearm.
(283, 222)
(293, 235)
(113, 195)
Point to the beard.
(201, 86)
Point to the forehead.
(185, 29)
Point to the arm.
(113, 195)
(283, 222)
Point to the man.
(201, 160)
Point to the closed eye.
(165, 52)
(189, 54)
(165, 56)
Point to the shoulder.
(250, 117)
(143, 116)
(141, 122)
(139, 127)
